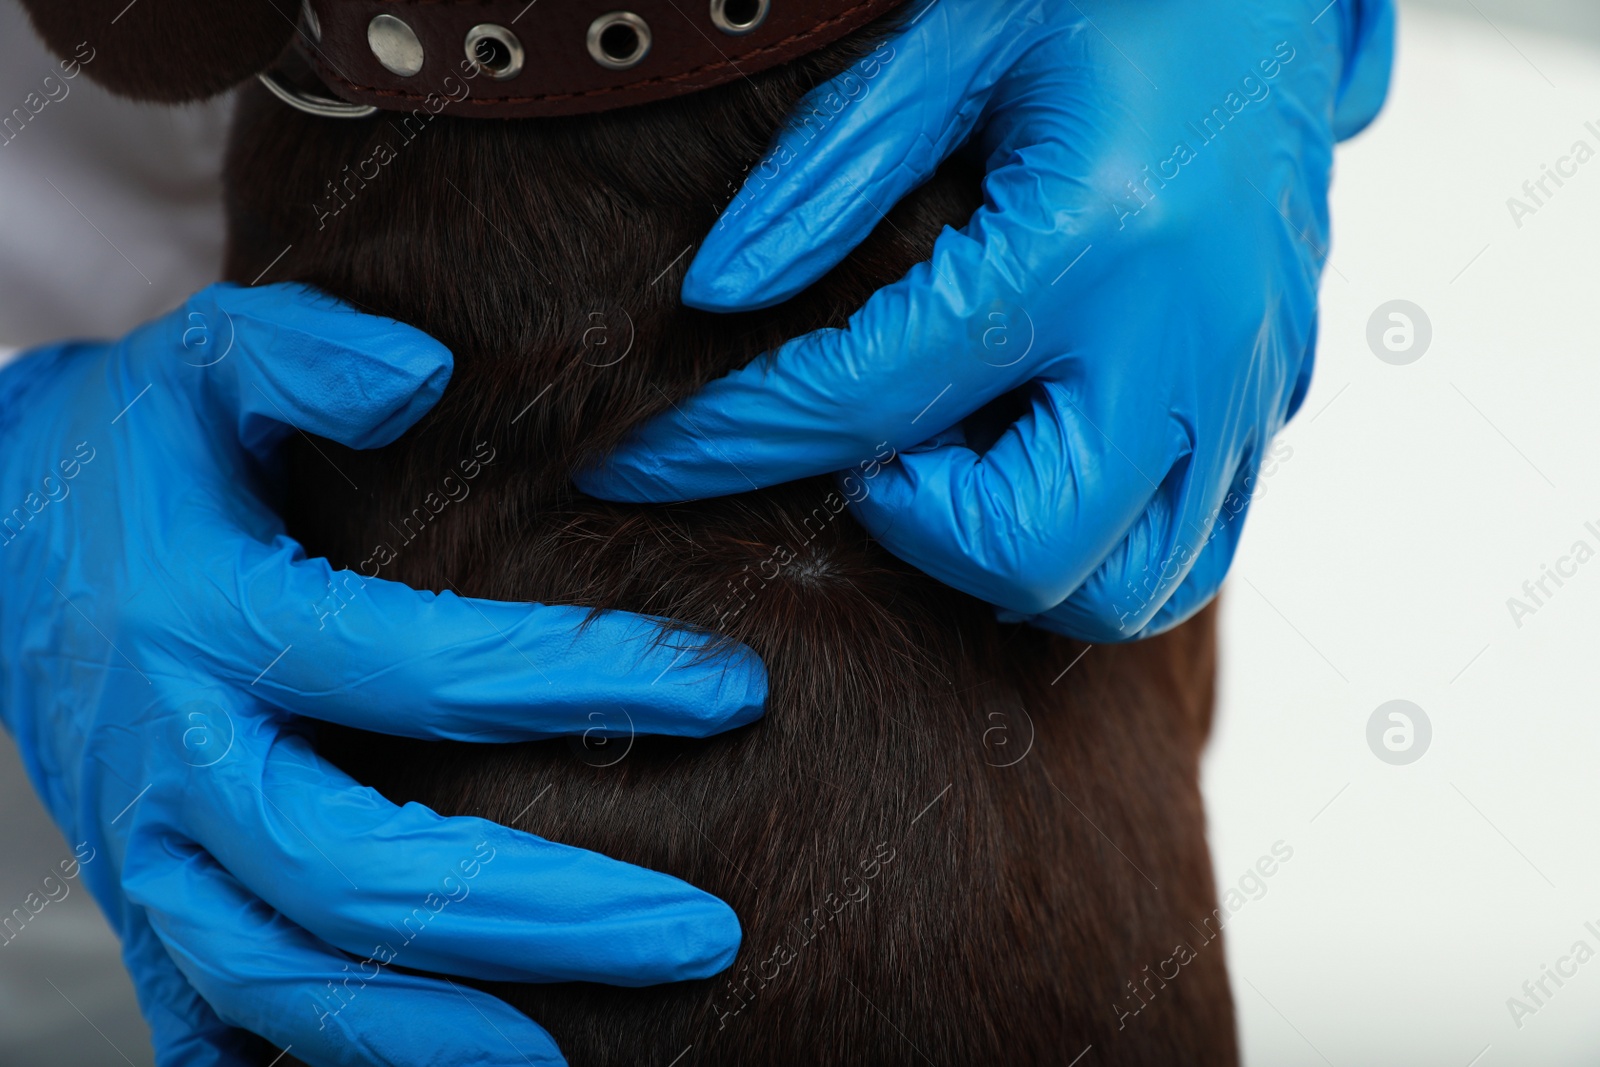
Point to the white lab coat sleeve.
(110, 210)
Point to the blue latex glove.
(1147, 258)
(158, 635)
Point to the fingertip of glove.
(710, 284)
(330, 322)
(599, 480)
(627, 476)
(726, 284)
(748, 700)
(714, 937)
(757, 261)
(1095, 619)
(736, 680)
(359, 379)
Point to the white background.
(1377, 566)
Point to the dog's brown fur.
(944, 845)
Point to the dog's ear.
(166, 50)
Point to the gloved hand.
(1146, 265)
(158, 635)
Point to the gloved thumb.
(271, 360)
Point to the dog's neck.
(547, 254)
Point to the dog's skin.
(949, 841)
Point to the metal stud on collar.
(395, 44)
(619, 40)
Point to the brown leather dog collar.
(531, 58)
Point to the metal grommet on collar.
(388, 53)
(395, 45)
(739, 17)
(495, 51)
(619, 40)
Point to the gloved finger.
(381, 656)
(922, 353)
(459, 895)
(1163, 572)
(1025, 523)
(262, 973)
(1205, 578)
(907, 107)
(278, 358)
(1369, 32)
(184, 1031)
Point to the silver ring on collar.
(326, 107)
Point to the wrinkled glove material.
(164, 646)
(1145, 270)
